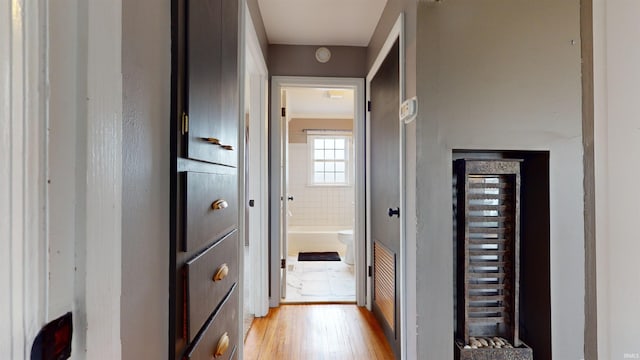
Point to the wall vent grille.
(384, 277)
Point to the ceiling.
(321, 22)
(319, 103)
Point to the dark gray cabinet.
(212, 81)
(204, 297)
(219, 338)
(211, 208)
(208, 279)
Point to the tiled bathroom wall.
(316, 205)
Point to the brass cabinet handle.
(221, 273)
(223, 345)
(216, 141)
(220, 204)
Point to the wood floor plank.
(317, 332)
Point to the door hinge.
(185, 123)
(369, 105)
(283, 111)
(370, 271)
(283, 263)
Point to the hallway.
(123, 154)
(316, 332)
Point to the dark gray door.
(385, 196)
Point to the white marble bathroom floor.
(319, 281)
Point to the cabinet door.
(212, 81)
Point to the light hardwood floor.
(314, 332)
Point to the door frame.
(255, 75)
(356, 84)
(397, 33)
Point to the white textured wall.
(84, 172)
(499, 75)
(316, 205)
(617, 155)
(67, 167)
(103, 241)
(146, 67)
(63, 164)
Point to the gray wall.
(258, 24)
(499, 74)
(300, 60)
(386, 22)
(146, 67)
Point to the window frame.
(347, 136)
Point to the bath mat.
(319, 256)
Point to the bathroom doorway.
(321, 152)
(321, 195)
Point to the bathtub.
(314, 238)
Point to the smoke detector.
(323, 54)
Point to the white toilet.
(346, 237)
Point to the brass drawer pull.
(221, 273)
(223, 345)
(220, 204)
(212, 140)
(216, 141)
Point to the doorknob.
(290, 198)
(395, 212)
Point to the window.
(329, 159)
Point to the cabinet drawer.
(224, 324)
(219, 262)
(211, 202)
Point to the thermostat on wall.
(409, 110)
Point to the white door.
(284, 196)
(257, 263)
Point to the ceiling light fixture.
(335, 94)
